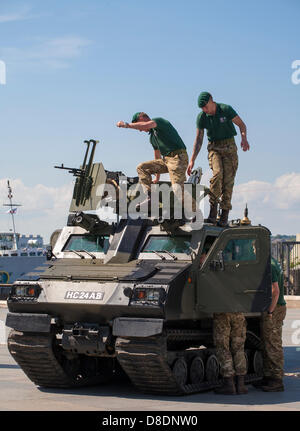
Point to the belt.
(175, 152)
(223, 141)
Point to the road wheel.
(197, 370)
(180, 371)
(212, 369)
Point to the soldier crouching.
(229, 340)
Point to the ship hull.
(17, 266)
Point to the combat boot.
(223, 222)
(260, 383)
(228, 387)
(212, 218)
(274, 385)
(240, 385)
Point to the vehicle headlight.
(144, 294)
(25, 291)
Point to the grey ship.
(18, 254)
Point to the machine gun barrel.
(75, 171)
(90, 163)
(85, 182)
(86, 153)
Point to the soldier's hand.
(190, 167)
(156, 179)
(120, 124)
(245, 145)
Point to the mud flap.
(134, 327)
(29, 322)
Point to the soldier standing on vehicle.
(229, 339)
(170, 154)
(218, 119)
(272, 322)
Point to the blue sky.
(74, 68)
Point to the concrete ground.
(19, 393)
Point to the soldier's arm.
(157, 154)
(275, 296)
(197, 147)
(243, 129)
(143, 126)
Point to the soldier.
(229, 340)
(218, 119)
(170, 154)
(272, 322)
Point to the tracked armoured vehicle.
(137, 296)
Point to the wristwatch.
(270, 312)
(126, 125)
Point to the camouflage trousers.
(174, 164)
(271, 327)
(223, 160)
(229, 340)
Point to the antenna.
(245, 220)
(12, 211)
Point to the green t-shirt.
(165, 137)
(277, 275)
(219, 126)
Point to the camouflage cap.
(135, 117)
(203, 99)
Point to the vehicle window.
(209, 240)
(24, 254)
(239, 250)
(174, 244)
(32, 253)
(92, 243)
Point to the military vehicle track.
(35, 355)
(150, 366)
(147, 362)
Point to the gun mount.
(85, 175)
(91, 181)
(89, 222)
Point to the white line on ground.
(3, 332)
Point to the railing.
(288, 255)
